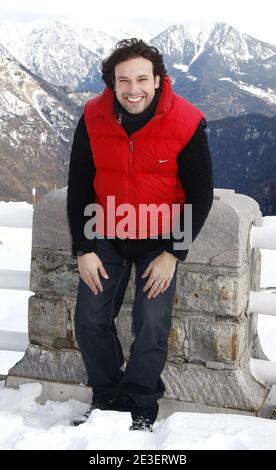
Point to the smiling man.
(139, 143)
(135, 84)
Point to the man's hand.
(89, 265)
(161, 271)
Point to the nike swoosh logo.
(162, 161)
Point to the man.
(141, 143)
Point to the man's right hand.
(89, 264)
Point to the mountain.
(243, 152)
(221, 70)
(50, 69)
(36, 122)
(57, 53)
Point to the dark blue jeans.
(97, 336)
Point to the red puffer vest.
(140, 169)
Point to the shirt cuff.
(81, 248)
(179, 254)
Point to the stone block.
(220, 341)
(212, 292)
(48, 319)
(51, 364)
(53, 272)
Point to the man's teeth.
(135, 100)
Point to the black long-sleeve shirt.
(194, 172)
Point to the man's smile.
(134, 99)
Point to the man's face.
(135, 84)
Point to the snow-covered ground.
(28, 425)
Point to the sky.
(255, 18)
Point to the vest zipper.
(120, 118)
(130, 168)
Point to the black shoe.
(96, 405)
(144, 417)
(140, 424)
(82, 418)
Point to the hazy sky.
(256, 18)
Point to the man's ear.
(157, 81)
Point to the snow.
(13, 104)
(227, 79)
(185, 69)
(266, 95)
(200, 49)
(36, 102)
(182, 67)
(30, 426)
(191, 77)
(25, 424)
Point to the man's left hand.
(161, 271)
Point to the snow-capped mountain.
(235, 50)
(35, 131)
(177, 46)
(52, 50)
(50, 68)
(63, 54)
(223, 71)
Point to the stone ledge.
(62, 392)
(188, 383)
(236, 389)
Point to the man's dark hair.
(130, 49)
